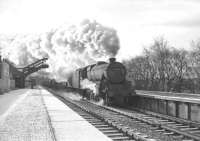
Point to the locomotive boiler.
(110, 80)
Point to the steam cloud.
(68, 47)
(88, 84)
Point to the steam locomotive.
(110, 79)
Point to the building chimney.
(112, 60)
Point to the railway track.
(101, 124)
(108, 126)
(166, 125)
(122, 124)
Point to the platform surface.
(24, 117)
(184, 97)
(10, 99)
(36, 115)
(67, 124)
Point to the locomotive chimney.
(112, 60)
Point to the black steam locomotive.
(110, 80)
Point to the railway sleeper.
(147, 117)
(169, 122)
(168, 133)
(110, 131)
(163, 120)
(160, 130)
(100, 125)
(177, 136)
(178, 124)
(139, 136)
(114, 134)
(97, 123)
(143, 124)
(187, 129)
(195, 131)
(186, 134)
(137, 121)
(154, 127)
(187, 140)
(91, 119)
(88, 117)
(120, 138)
(94, 121)
(182, 126)
(84, 115)
(105, 129)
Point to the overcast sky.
(137, 22)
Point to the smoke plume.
(68, 47)
(88, 84)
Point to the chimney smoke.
(112, 60)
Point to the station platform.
(183, 97)
(36, 115)
(184, 106)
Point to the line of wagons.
(110, 79)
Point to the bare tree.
(195, 53)
(163, 67)
(160, 54)
(179, 63)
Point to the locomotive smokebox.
(112, 60)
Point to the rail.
(145, 126)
